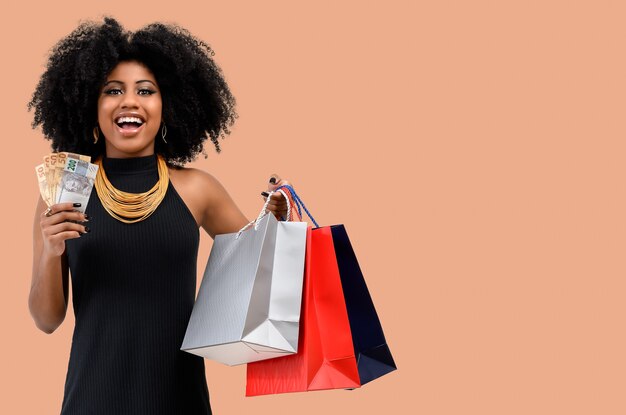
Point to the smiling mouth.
(129, 122)
(129, 126)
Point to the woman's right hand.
(57, 227)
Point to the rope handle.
(299, 202)
(282, 192)
(264, 212)
(292, 203)
(292, 200)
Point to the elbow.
(46, 322)
(46, 329)
(44, 326)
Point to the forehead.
(130, 71)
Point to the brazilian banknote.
(66, 177)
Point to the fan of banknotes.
(66, 177)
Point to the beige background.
(474, 151)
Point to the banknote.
(43, 183)
(50, 161)
(78, 156)
(76, 182)
(66, 177)
(64, 162)
(58, 166)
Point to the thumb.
(274, 182)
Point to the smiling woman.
(178, 70)
(141, 105)
(129, 110)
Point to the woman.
(141, 105)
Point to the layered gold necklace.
(131, 207)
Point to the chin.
(132, 146)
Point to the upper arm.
(38, 249)
(220, 213)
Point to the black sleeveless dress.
(133, 289)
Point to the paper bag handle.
(264, 212)
(298, 201)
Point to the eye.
(146, 92)
(110, 91)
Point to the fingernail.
(87, 229)
(272, 180)
(76, 205)
(265, 194)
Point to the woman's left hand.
(277, 204)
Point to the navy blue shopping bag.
(370, 347)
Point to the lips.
(129, 115)
(130, 131)
(129, 123)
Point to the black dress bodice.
(133, 289)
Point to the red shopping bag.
(325, 357)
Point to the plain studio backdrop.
(473, 150)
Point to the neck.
(130, 164)
(114, 152)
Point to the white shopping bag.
(248, 305)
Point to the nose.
(129, 100)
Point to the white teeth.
(129, 119)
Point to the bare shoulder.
(198, 189)
(194, 179)
(208, 200)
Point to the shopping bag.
(248, 304)
(370, 347)
(325, 358)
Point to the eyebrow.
(120, 82)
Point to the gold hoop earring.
(163, 132)
(96, 134)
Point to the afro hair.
(197, 101)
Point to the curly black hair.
(196, 98)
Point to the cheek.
(156, 109)
(105, 111)
(155, 113)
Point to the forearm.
(46, 301)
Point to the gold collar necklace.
(131, 207)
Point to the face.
(129, 111)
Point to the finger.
(275, 182)
(277, 212)
(67, 235)
(279, 184)
(279, 204)
(275, 202)
(277, 209)
(64, 216)
(65, 227)
(59, 207)
(277, 196)
(274, 178)
(283, 182)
